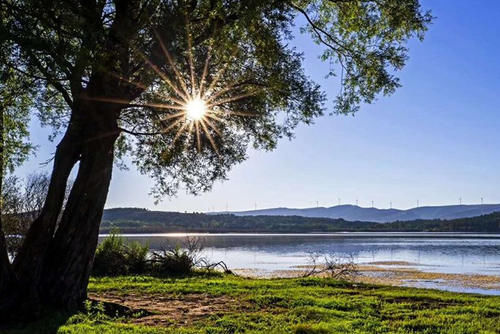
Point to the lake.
(453, 255)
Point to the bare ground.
(167, 310)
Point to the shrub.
(114, 257)
(137, 255)
(172, 262)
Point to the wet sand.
(400, 273)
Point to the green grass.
(300, 306)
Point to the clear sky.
(435, 140)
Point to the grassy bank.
(225, 304)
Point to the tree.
(22, 202)
(183, 87)
(15, 97)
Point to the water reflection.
(434, 252)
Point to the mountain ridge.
(136, 220)
(357, 213)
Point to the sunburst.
(195, 106)
(196, 109)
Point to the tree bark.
(68, 263)
(54, 263)
(6, 274)
(20, 298)
(28, 263)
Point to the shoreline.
(400, 274)
(357, 234)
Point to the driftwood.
(335, 266)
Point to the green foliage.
(367, 40)
(16, 97)
(137, 257)
(332, 307)
(103, 49)
(173, 262)
(114, 257)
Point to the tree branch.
(319, 31)
(134, 133)
(51, 80)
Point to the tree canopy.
(16, 94)
(243, 46)
(184, 88)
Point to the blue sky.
(435, 140)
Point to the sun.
(196, 109)
(196, 104)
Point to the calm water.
(435, 252)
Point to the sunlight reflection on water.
(439, 252)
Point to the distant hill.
(132, 220)
(356, 213)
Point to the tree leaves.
(130, 57)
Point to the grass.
(226, 304)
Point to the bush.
(114, 257)
(172, 262)
(137, 255)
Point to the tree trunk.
(69, 261)
(28, 263)
(6, 274)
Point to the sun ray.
(231, 99)
(205, 71)
(133, 83)
(198, 141)
(160, 106)
(164, 77)
(209, 136)
(243, 113)
(144, 87)
(179, 132)
(237, 113)
(171, 126)
(220, 72)
(127, 103)
(177, 114)
(212, 116)
(179, 102)
(190, 56)
(211, 125)
(172, 65)
(110, 100)
(201, 100)
(222, 91)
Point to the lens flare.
(195, 105)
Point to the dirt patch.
(166, 310)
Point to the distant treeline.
(131, 220)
